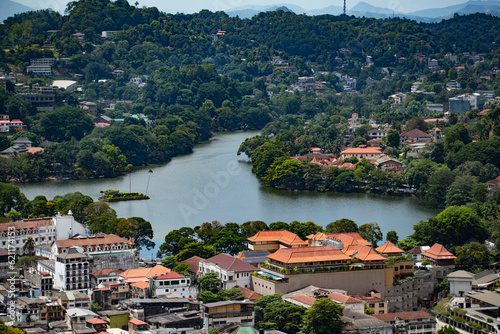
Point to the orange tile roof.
(99, 239)
(35, 149)
(343, 298)
(362, 150)
(137, 322)
(308, 254)
(320, 236)
(134, 275)
(285, 237)
(26, 224)
(362, 252)
(438, 252)
(304, 299)
(389, 248)
(97, 321)
(140, 285)
(349, 238)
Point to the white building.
(39, 69)
(42, 61)
(72, 269)
(14, 235)
(230, 270)
(172, 284)
(460, 282)
(44, 231)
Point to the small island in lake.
(115, 196)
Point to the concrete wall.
(122, 261)
(357, 281)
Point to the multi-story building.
(73, 299)
(232, 311)
(271, 241)
(39, 69)
(14, 235)
(172, 284)
(357, 269)
(44, 231)
(104, 275)
(415, 322)
(106, 250)
(28, 309)
(230, 270)
(42, 281)
(72, 269)
(42, 61)
(76, 318)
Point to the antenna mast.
(344, 6)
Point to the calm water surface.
(213, 183)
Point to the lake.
(213, 183)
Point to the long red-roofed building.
(362, 152)
(273, 240)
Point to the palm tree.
(29, 246)
(149, 176)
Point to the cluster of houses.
(84, 283)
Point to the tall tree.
(324, 317)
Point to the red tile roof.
(402, 315)
(349, 238)
(438, 252)
(193, 263)
(229, 262)
(170, 275)
(494, 183)
(389, 248)
(249, 294)
(415, 133)
(304, 299)
(26, 224)
(308, 254)
(364, 253)
(343, 298)
(97, 321)
(100, 239)
(137, 322)
(285, 237)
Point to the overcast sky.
(191, 6)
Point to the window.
(381, 305)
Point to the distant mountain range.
(9, 8)
(361, 9)
(365, 9)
